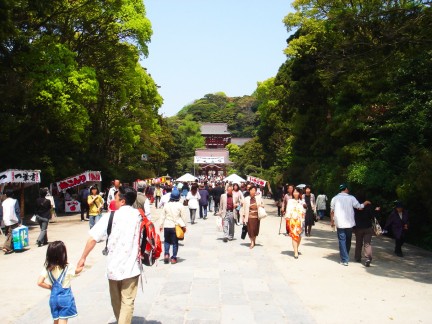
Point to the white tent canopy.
(186, 178)
(234, 178)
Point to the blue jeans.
(94, 219)
(170, 239)
(344, 237)
(321, 213)
(192, 215)
(203, 211)
(43, 223)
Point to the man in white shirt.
(321, 205)
(10, 214)
(165, 198)
(112, 191)
(342, 215)
(123, 267)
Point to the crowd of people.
(233, 204)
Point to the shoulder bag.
(261, 213)
(376, 227)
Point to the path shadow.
(248, 244)
(290, 253)
(415, 265)
(140, 320)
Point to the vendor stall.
(18, 180)
(90, 178)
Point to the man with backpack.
(122, 251)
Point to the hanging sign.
(20, 176)
(256, 181)
(72, 206)
(210, 159)
(88, 176)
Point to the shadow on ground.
(140, 320)
(415, 265)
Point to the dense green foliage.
(238, 112)
(352, 103)
(73, 94)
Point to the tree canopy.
(352, 103)
(73, 92)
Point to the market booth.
(19, 180)
(86, 178)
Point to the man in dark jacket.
(203, 202)
(217, 193)
(398, 222)
(363, 231)
(83, 195)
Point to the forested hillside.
(238, 112)
(353, 103)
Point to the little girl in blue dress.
(56, 276)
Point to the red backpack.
(150, 246)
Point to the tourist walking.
(123, 265)
(95, 202)
(238, 201)
(166, 197)
(309, 200)
(43, 215)
(217, 193)
(203, 201)
(83, 196)
(157, 194)
(295, 215)
(173, 214)
(142, 201)
(211, 199)
(398, 224)
(278, 197)
(11, 219)
(321, 206)
(57, 276)
(227, 214)
(115, 187)
(288, 195)
(363, 231)
(250, 214)
(185, 189)
(193, 198)
(342, 215)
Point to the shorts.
(63, 306)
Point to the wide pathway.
(217, 282)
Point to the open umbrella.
(234, 178)
(186, 178)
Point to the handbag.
(261, 213)
(376, 227)
(219, 225)
(244, 232)
(179, 232)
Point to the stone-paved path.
(217, 282)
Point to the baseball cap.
(175, 194)
(343, 186)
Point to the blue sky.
(207, 46)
